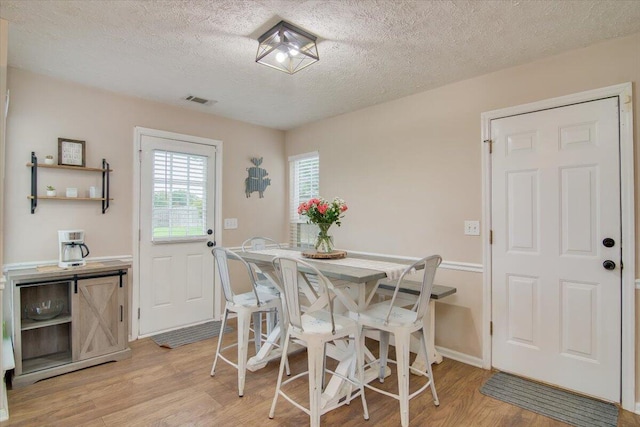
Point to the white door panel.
(555, 197)
(176, 211)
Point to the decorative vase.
(324, 242)
(51, 193)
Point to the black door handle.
(609, 265)
(608, 242)
(209, 231)
(210, 243)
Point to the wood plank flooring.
(162, 387)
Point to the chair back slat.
(288, 271)
(258, 243)
(294, 275)
(429, 265)
(222, 256)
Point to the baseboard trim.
(637, 408)
(34, 264)
(460, 357)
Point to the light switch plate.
(230, 223)
(472, 228)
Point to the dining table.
(356, 280)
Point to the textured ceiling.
(371, 51)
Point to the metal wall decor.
(256, 181)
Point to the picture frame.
(71, 152)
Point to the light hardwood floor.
(161, 387)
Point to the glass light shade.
(287, 48)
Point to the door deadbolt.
(608, 242)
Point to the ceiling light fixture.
(287, 48)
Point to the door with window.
(177, 217)
(556, 285)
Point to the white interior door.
(177, 217)
(556, 309)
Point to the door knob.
(608, 242)
(210, 231)
(210, 244)
(609, 265)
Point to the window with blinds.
(304, 183)
(179, 196)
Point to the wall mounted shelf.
(105, 170)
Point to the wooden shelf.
(28, 324)
(34, 165)
(70, 198)
(75, 168)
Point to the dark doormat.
(560, 405)
(188, 335)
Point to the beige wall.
(410, 169)
(43, 109)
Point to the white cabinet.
(91, 327)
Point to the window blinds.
(179, 196)
(304, 183)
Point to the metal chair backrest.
(421, 306)
(290, 271)
(258, 243)
(222, 255)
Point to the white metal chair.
(387, 317)
(264, 283)
(317, 325)
(244, 305)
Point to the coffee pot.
(72, 248)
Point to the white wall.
(410, 169)
(43, 109)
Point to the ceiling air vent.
(199, 100)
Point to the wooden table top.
(334, 271)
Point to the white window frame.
(301, 233)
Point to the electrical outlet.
(230, 223)
(472, 228)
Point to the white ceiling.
(371, 51)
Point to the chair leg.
(283, 332)
(257, 330)
(402, 359)
(244, 319)
(359, 342)
(224, 325)
(423, 338)
(283, 362)
(315, 357)
(384, 352)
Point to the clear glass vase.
(324, 241)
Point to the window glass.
(179, 196)
(304, 184)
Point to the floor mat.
(188, 335)
(560, 405)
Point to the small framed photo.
(71, 152)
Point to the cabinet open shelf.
(47, 361)
(34, 197)
(28, 324)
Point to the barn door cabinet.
(91, 329)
